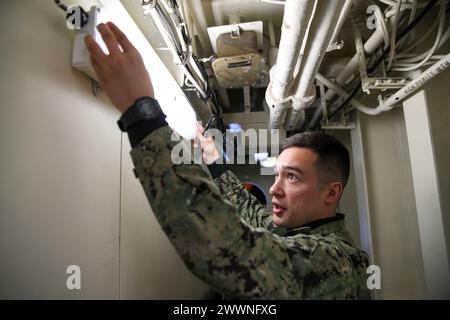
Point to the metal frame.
(367, 83)
(343, 123)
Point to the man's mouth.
(277, 209)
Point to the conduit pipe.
(321, 32)
(372, 44)
(369, 47)
(417, 57)
(344, 13)
(401, 94)
(297, 14)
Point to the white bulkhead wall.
(60, 167)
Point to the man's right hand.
(122, 73)
(209, 149)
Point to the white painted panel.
(59, 163)
(438, 97)
(393, 219)
(427, 195)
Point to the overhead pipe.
(297, 14)
(344, 13)
(324, 23)
(373, 43)
(370, 46)
(398, 96)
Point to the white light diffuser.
(180, 115)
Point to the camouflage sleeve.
(215, 244)
(248, 207)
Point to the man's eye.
(291, 177)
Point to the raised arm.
(247, 206)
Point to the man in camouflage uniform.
(223, 234)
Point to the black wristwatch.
(144, 108)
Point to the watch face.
(147, 109)
(142, 109)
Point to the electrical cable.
(185, 56)
(61, 5)
(169, 29)
(411, 18)
(422, 39)
(413, 11)
(440, 40)
(403, 33)
(177, 37)
(432, 60)
(393, 35)
(407, 5)
(172, 10)
(210, 92)
(380, 19)
(435, 45)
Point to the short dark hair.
(333, 161)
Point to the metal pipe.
(297, 14)
(397, 97)
(323, 24)
(417, 83)
(372, 44)
(344, 13)
(375, 40)
(322, 27)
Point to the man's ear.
(333, 192)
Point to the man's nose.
(276, 189)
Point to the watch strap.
(143, 109)
(142, 129)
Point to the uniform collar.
(320, 227)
